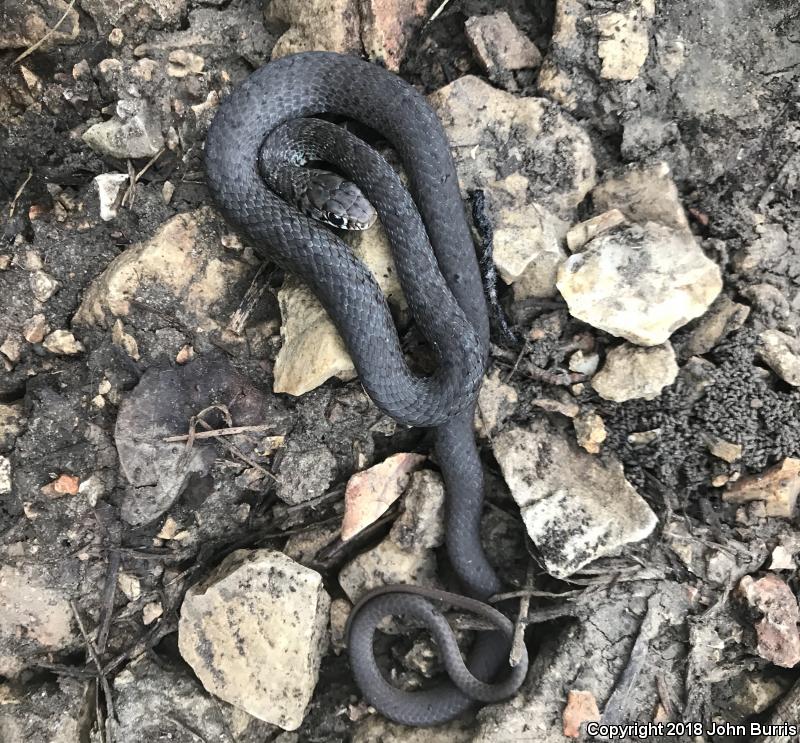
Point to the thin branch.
(215, 432)
(18, 194)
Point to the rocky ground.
(194, 487)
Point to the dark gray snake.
(437, 267)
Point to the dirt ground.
(670, 627)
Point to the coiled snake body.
(437, 267)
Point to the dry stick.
(215, 432)
(135, 177)
(249, 302)
(518, 643)
(437, 12)
(112, 715)
(237, 452)
(18, 194)
(31, 49)
(109, 591)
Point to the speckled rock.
(305, 473)
(575, 507)
(255, 631)
(134, 132)
(631, 372)
(640, 282)
(782, 353)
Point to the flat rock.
(388, 26)
(499, 45)
(778, 487)
(624, 41)
(640, 282)
(305, 473)
(333, 26)
(575, 507)
(643, 193)
(370, 493)
(134, 132)
(255, 632)
(406, 555)
(778, 636)
(496, 402)
(782, 353)
(494, 134)
(161, 405)
(157, 700)
(631, 372)
(35, 618)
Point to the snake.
(261, 155)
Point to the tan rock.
(581, 708)
(782, 353)
(728, 451)
(778, 487)
(43, 285)
(777, 632)
(623, 44)
(332, 26)
(12, 348)
(124, 340)
(183, 63)
(640, 282)
(643, 193)
(35, 328)
(631, 372)
(499, 45)
(532, 136)
(576, 508)
(387, 27)
(590, 431)
(28, 23)
(63, 343)
(584, 231)
(35, 618)
(11, 418)
(259, 621)
(496, 401)
(369, 494)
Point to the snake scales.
(438, 270)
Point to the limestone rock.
(63, 343)
(643, 193)
(575, 507)
(183, 63)
(778, 636)
(43, 286)
(778, 487)
(24, 24)
(583, 232)
(35, 618)
(182, 272)
(406, 555)
(623, 43)
(590, 431)
(499, 45)
(387, 27)
(782, 353)
(369, 493)
(108, 13)
(494, 134)
(305, 473)
(632, 372)
(109, 186)
(640, 282)
(496, 401)
(332, 26)
(134, 132)
(258, 622)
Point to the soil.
(730, 131)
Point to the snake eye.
(336, 220)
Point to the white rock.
(623, 44)
(43, 285)
(782, 353)
(531, 137)
(643, 193)
(584, 362)
(5, 475)
(255, 631)
(109, 186)
(640, 282)
(632, 372)
(133, 132)
(575, 507)
(62, 342)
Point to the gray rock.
(305, 473)
(576, 508)
(722, 318)
(632, 372)
(255, 632)
(134, 132)
(782, 353)
(640, 282)
(155, 701)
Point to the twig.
(437, 12)
(216, 432)
(112, 715)
(518, 642)
(249, 302)
(31, 49)
(135, 177)
(18, 194)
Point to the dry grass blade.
(31, 49)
